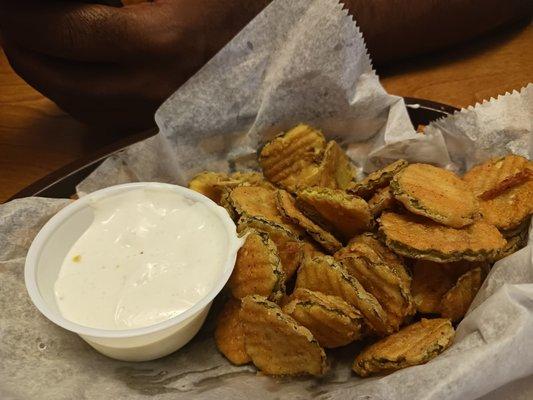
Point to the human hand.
(114, 66)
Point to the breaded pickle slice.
(431, 281)
(229, 333)
(413, 345)
(420, 238)
(382, 200)
(510, 209)
(517, 179)
(368, 247)
(516, 241)
(387, 287)
(335, 210)
(331, 320)
(212, 184)
(290, 247)
(335, 169)
(312, 250)
(324, 274)
(255, 201)
(284, 158)
(287, 206)
(276, 343)
(377, 179)
(207, 183)
(258, 268)
(496, 175)
(455, 302)
(435, 193)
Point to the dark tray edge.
(61, 182)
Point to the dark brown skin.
(114, 66)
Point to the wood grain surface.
(36, 137)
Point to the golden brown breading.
(376, 180)
(255, 201)
(324, 274)
(229, 333)
(382, 200)
(212, 184)
(251, 179)
(286, 158)
(385, 285)
(511, 208)
(431, 281)
(335, 210)
(435, 193)
(512, 181)
(290, 247)
(413, 345)
(368, 247)
(331, 320)
(258, 268)
(516, 241)
(276, 343)
(335, 169)
(496, 175)
(206, 184)
(287, 206)
(457, 300)
(312, 250)
(420, 238)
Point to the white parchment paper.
(298, 61)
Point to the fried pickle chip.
(290, 247)
(420, 238)
(229, 333)
(276, 343)
(435, 193)
(206, 183)
(311, 249)
(287, 206)
(368, 247)
(517, 179)
(335, 210)
(510, 209)
(515, 241)
(284, 158)
(382, 200)
(431, 281)
(331, 320)
(455, 302)
(376, 180)
(324, 274)
(251, 179)
(212, 184)
(496, 175)
(258, 268)
(255, 201)
(335, 169)
(413, 345)
(385, 285)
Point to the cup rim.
(42, 237)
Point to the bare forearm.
(397, 29)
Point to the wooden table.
(36, 137)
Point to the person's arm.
(396, 29)
(114, 66)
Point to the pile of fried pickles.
(394, 259)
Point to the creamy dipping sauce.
(148, 256)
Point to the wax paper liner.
(297, 61)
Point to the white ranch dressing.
(148, 256)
